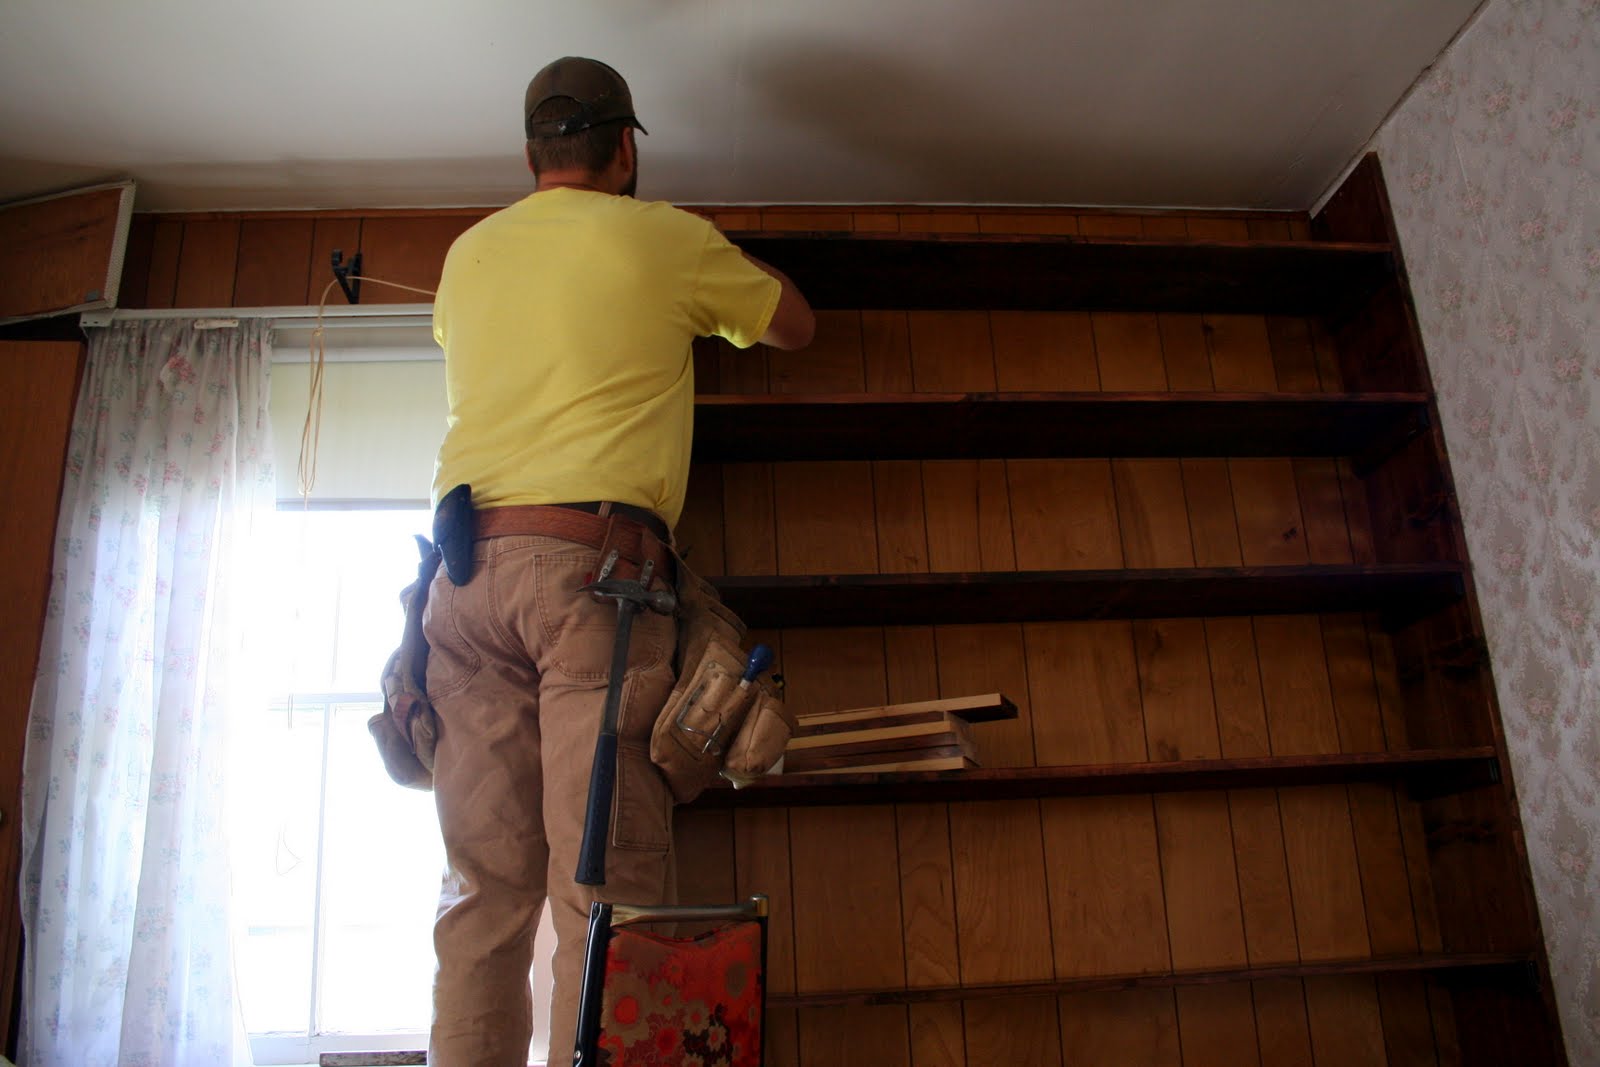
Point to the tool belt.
(711, 724)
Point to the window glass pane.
(329, 616)
(273, 837)
(382, 860)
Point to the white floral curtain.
(125, 875)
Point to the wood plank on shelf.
(1508, 968)
(860, 426)
(1400, 592)
(1066, 272)
(1433, 771)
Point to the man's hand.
(793, 324)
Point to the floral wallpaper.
(1493, 167)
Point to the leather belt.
(637, 535)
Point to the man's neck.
(569, 180)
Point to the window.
(336, 869)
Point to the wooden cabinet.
(39, 383)
(1257, 795)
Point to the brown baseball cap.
(599, 91)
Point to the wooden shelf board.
(866, 426)
(1400, 592)
(1065, 273)
(1509, 967)
(1430, 772)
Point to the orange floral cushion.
(683, 1002)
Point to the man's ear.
(527, 154)
(626, 149)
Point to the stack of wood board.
(931, 735)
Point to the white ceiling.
(218, 104)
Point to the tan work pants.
(517, 671)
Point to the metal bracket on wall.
(348, 275)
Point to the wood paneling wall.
(930, 895)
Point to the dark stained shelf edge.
(1427, 772)
(1510, 967)
(1066, 273)
(865, 426)
(1400, 593)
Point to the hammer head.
(661, 601)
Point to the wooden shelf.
(1433, 772)
(1064, 273)
(1509, 968)
(1032, 425)
(1400, 593)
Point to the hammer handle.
(597, 821)
(603, 776)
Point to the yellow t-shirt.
(566, 322)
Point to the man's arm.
(793, 323)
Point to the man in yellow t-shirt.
(566, 322)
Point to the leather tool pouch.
(406, 730)
(711, 724)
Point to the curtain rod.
(338, 316)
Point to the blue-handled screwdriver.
(760, 660)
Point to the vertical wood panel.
(1175, 687)
(1084, 683)
(831, 363)
(968, 515)
(1346, 1027)
(134, 288)
(1213, 529)
(699, 533)
(825, 518)
(938, 1036)
(886, 351)
(901, 517)
(206, 266)
(1218, 1026)
(40, 387)
(1040, 351)
(1407, 1025)
(1151, 513)
(409, 250)
(703, 859)
(951, 352)
(1000, 904)
(1283, 1033)
(274, 262)
(1268, 512)
(1128, 349)
(1014, 1030)
(1120, 1029)
(854, 1037)
(166, 248)
(927, 895)
(1205, 924)
(750, 536)
(1064, 514)
(843, 940)
(1294, 355)
(1184, 351)
(1241, 354)
(1107, 912)
(761, 864)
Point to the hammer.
(632, 597)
